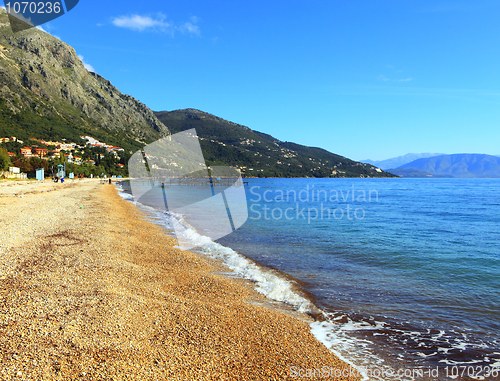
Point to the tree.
(37, 163)
(5, 162)
(24, 164)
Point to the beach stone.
(90, 289)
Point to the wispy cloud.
(87, 66)
(48, 31)
(385, 79)
(157, 22)
(141, 23)
(395, 77)
(191, 27)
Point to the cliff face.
(41, 73)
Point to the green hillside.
(28, 124)
(47, 93)
(258, 154)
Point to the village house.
(66, 146)
(41, 152)
(26, 151)
(109, 149)
(11, 139)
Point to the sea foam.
(268, 282)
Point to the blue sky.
(364, 79)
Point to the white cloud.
(140, 23)
(190, 28)
(53, 35)
(156, 23)
(87, 66)
(385, 79)
(394, 77)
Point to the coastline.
(91, 289)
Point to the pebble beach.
(92, 290)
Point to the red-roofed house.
(41, 152)
(115, 149)
(26, 151)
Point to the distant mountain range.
(456, 165)
(397, 162)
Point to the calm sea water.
(407, 271)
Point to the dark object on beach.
(55, 179)
(110, 180)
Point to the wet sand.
(91, 290)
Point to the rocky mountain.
(396, 162)
(261, 155)
(46, 92)
(457, 165)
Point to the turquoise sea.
(405, 272)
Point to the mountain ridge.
(258, 154)
(457, 165)
(396, 162)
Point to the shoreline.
(98, 291)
